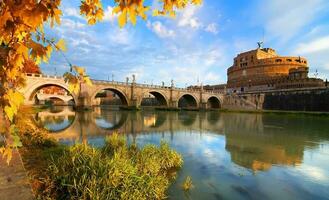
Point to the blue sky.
(199, 44)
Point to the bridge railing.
(136, 84)
(43, 76)
(108, 82)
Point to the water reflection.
(56, 119)
(218, 148)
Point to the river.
(228, 155)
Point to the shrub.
(116, 171)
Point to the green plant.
(188, 184)
(116, 171)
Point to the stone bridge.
(130, 93)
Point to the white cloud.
(108, 15)
(72, 12)
(187, 18)
(72, 24)
(121, 36)
(213, 56)
(284, 19)
(316, 45)
(161, 30)
(212, 28)
(211, 77)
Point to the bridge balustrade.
(43, 76)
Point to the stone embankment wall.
(315, 100)
(243, 102)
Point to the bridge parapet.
(43, 76)
(130, 93)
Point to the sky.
(197, 46)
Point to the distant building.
(262, 69)
(220, 87)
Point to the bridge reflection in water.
(254, 141)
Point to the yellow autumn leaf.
(49, 50)
(99, 14)
(80, 70)
(141, 11)
(15, 98)
(197, 2)
(38, 60)
(71, 87)
(74, 88)
(92, 21)
(16, 141)
(87, 80)
(23, 50)
(21, 36)
(132, 15)
(156, 13)
(172, 14)
(116, 10)
(57, 16)
(122, 19)
(8, 154)
(60, 45)
(10, 112)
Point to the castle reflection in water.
(254, 141)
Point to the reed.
(116, 171)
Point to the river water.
(228, 155)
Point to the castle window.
(278, 60)
(289, 60)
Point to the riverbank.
(122, 171)
(14, 182)
(276, 112)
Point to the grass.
(115, 171)
(188, 184)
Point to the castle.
(263, 69)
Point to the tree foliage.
(31, 67)
(22, 38)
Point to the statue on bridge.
(134, 78)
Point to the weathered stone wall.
(243, 102)
(316, 100)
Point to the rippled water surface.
(228, 155)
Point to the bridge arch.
(32, 90)
(187, 120)
(160, 97)
(188, 101)
(214, 102)
(55, 117)
(105, 123)
(122, 95)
